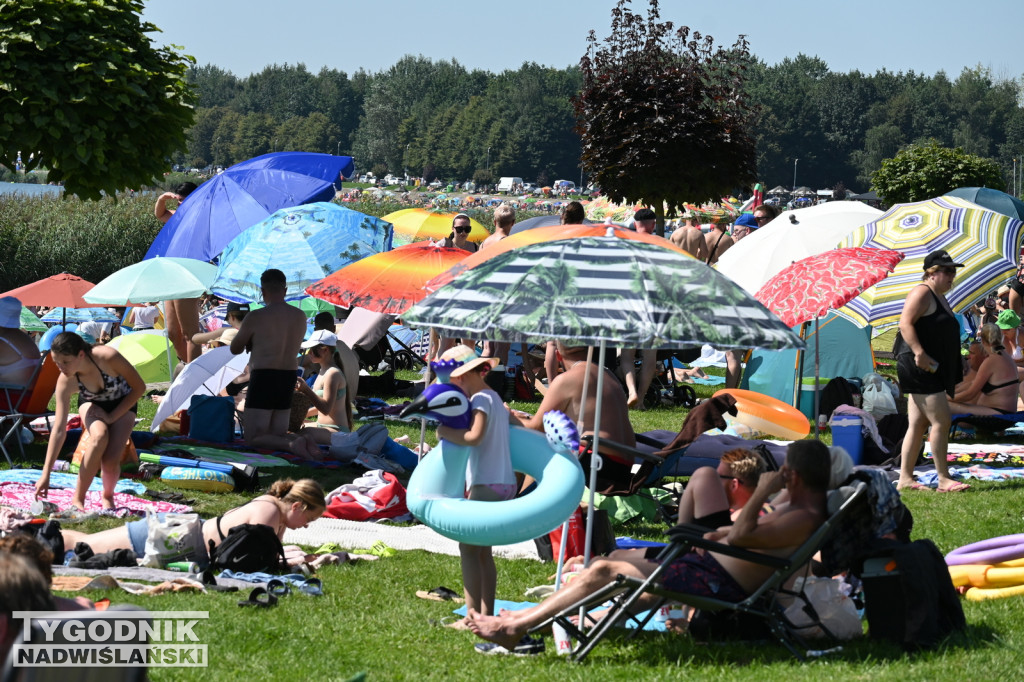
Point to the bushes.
(43, 236)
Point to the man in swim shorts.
(272, 335)
(805, 475)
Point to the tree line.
(440, 119)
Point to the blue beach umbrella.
(79, 315)
(229, 203)
(992, 199)
(306, 243)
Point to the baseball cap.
(321, 337)
(237, 307)
(747, 220)
(940, 258)
(473, 364)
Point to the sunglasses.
(462, 229)
(761, 218)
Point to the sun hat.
(473, 364)
(10, 312)
(940, 258)
(321, 337)
(228, 336)
(459, 353)
(1007, 320)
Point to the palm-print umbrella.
(80, 315)
(389, 282)
(417, 224)
(546, 234)
(601, 291)
(307, 243)
(986, 242)
(29, 321)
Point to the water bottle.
(563, 644)
(43, 508)
(183, 566)
(510, 384)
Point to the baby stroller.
(665, 390)
(366, 332)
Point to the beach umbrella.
(58, 290)
(992, 199)
(313, 306)
(778, 190)
(417, 224)
(547, 234)
(389, 282)
(146, 351)
(986, 242)
(80, 315)
(306, 243)
(810, 287)
(229, 203)
(29, 322)
(156, 279)
(206, 375)
(794, 235)
(541, 221)
(46, 340)
(600, 291)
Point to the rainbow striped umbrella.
(986, 242)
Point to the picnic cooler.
(846, 433)
(807, 393)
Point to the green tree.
(923, 171)
(664, 117)
(85, 92)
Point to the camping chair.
(19, 404)
(763, 604)
(989, 423)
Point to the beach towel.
(220, 452)
(62, 480)
(22, 495)
(990, 455)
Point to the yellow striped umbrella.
(417, 224)
(986, 242)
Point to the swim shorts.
(700, 574)
(271, 389)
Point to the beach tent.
(845, 351)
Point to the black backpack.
(248, 548)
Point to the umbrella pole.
(595, 459)
(170, 367)
(817, 373)
(583, 398)
(423, 420)
(799, 379)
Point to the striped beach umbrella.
(601, 290)
(986, 242)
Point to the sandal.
(278, 588)
(260, 598)
(955, 488)
(314, 587)
(381, 550)
(440, 594)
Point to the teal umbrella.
(306, 243)
(156, 279)
(992, 199)
(79, 315)
(31, 323)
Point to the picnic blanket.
(981, 473)
(63, 480)
(225, 452)
(22, 495)
(364, 534)
(990, 455)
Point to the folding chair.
(989, 423)
(763, 604)
(19, 403)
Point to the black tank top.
(939, 336)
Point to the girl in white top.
(489, 474)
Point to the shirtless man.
(713, 498)
(504, 219)
(718, 242)
(644, 221)
(565, 393)
(181, 315)
(691, 240)
(273, 335)
(805, 475)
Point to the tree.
(664, 118)
(84, 92)
(923, 171)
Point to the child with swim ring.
(489, 474)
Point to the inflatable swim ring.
(991, 551)
(768, 415)
(436, 493)
(189, 478)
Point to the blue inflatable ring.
(436, 493)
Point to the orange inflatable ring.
(768, 415)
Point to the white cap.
(321, 337)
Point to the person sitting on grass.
(288, 504)
(329, 394)
(236, 312)
(993, 390)
(713, 497)
(805, 475)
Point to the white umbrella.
(206, 375)
(793, 236)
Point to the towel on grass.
(22, 495)
(63, 480)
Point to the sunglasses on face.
(761, 218)
(463, 229)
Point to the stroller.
(367, 333)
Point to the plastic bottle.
(182, 566)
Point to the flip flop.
(440, 594)
(259, 598)
(278, 588)
(381, 550)
(919, 486)
(955, 488)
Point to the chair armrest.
(693, 535)
(622, 449)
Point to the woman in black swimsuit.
(108, 390)
(929, 368)
(995, 386)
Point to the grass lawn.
(369, 619)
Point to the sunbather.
(805, 475)
(288, 504)
(714, 497)
(329, 394)
(994, 387)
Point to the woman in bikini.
(994, 388)
(19, 355)
(288, 504)
(108, 389)
(329, 393)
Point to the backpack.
(248, 548)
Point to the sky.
(926, 36)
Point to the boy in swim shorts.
(489, 474)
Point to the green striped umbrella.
(31, 323)
(593, 290)
(986, 242)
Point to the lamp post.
(338, 152)
(275, 144)
(405, 165)
(488, 158)
(794, 174)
